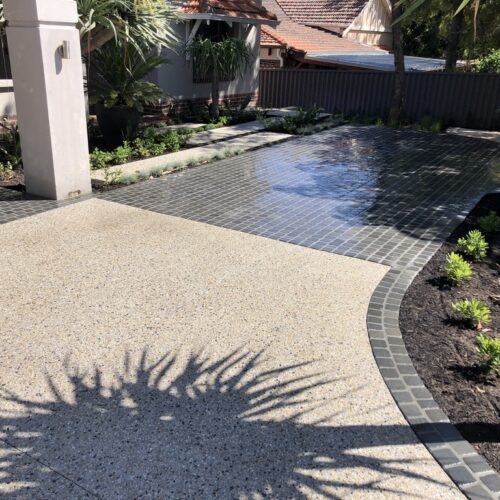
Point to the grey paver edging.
(470, 472)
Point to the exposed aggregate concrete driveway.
(144, 355)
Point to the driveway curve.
(146, 355)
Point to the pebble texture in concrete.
(383, 195)
(162, 357)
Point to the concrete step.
(284, 112)
(225, 133)
(490, 135)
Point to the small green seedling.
(474, 244)
(112, 176)
(474, 312)
(457, 269)
(489, 350)
(490, 223)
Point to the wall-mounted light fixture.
(64, 50)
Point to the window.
(215, 31)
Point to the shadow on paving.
(415, 182)
(203, 431)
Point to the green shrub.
(112, 176)
(10, 144)
(474, 244)
(490, 223)
(123, 153)
(473, 312)
(100, 159)
(142, 147)
(489, 350)
(171, 141)
(158, 149)
(489, 63)
(429, 124)
(364, 119)
(457, 269)
(293, 124)
(6, 170)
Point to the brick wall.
(189, 108)
(268, 64)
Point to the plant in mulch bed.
(473, 312)
(152, 141)
(100, 159)
(119, 88)
(295, 123)
(459, 365)
(10, 148)
(457, 269)
(490, 223)
(489, 350)
(474, 244)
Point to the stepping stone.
(224, 133)
(184, 126)
(284, 112)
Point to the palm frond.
(118, 77)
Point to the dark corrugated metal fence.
(459, 99)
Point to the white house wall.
(176, 78)
(373, 25)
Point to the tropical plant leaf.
(118, 77)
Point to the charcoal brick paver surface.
(388, 196)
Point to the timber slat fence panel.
(459, 99)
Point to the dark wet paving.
(16, 205)
(384, 195)
(388, 196)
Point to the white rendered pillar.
(44, 49)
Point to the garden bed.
(444, 350)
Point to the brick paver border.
(472, 474)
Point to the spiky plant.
(145, 24)
(216, 59)
(119, 77)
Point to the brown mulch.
(15, 180)
(443, 350)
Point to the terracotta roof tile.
(307, 39)
(232, 8)
(270, 39)
(318, 12)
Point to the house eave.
(228, 19)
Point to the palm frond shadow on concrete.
(229, 428)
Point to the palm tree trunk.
(399, 68)
(214, 107)
(453, 38)
(95, 39)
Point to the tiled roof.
(270, 39)
(306, 39)
(321, 12)
(232, 8)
